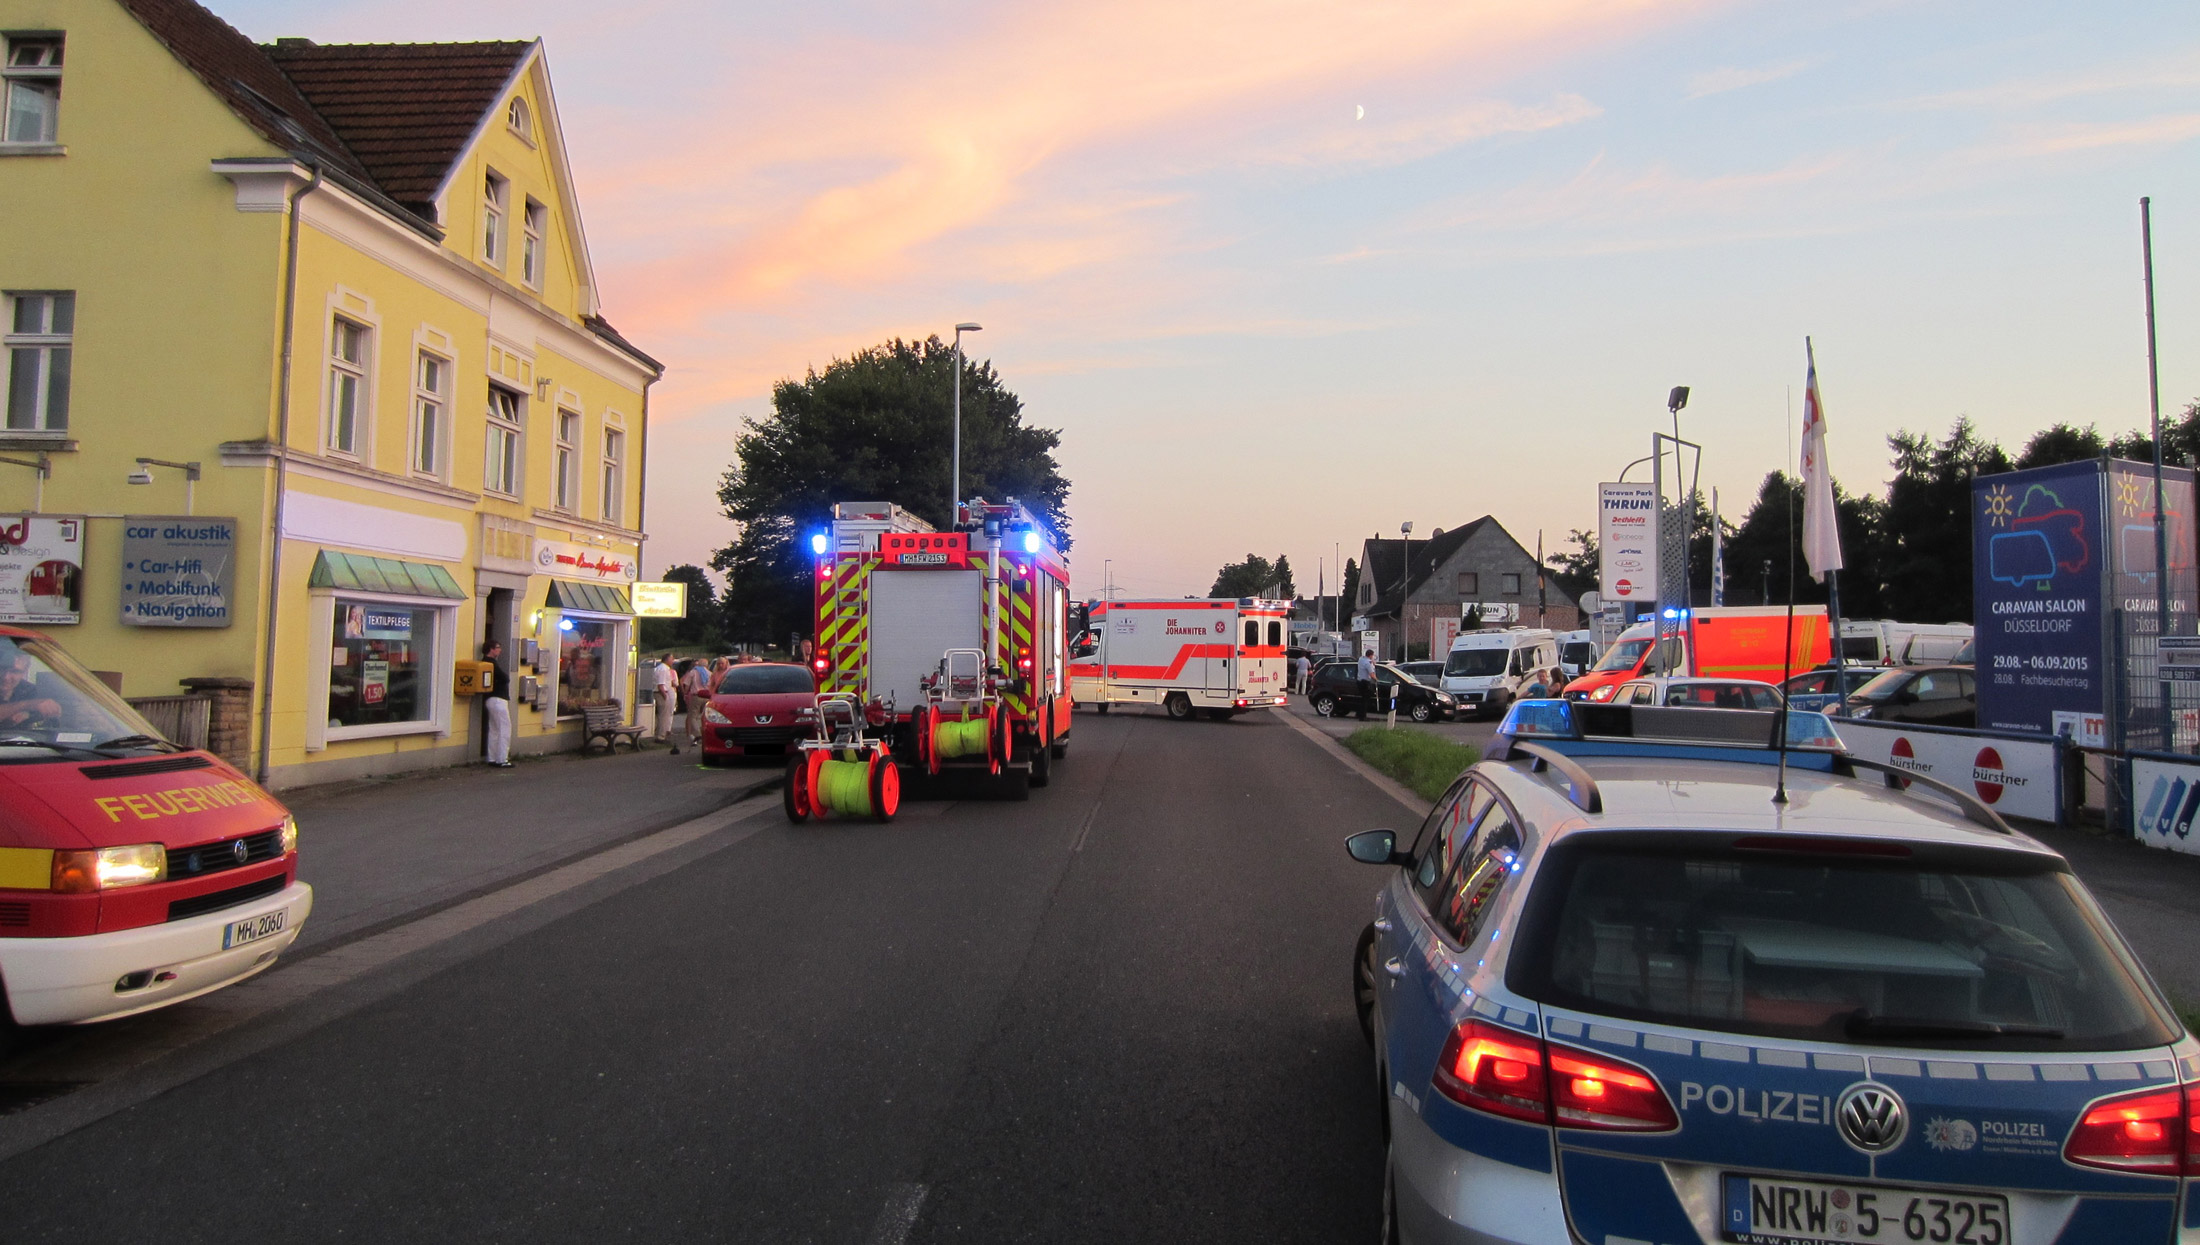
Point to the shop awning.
(572, 594)
(357, 572)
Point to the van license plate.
(252, 929)
(1804, 1212)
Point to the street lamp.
(144, 475)
(954, 504)
(1674, 401)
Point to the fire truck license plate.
(252, 929)
(1803, 1212)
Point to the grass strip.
(1425, 762)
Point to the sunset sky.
(1266, 322)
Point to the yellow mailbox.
(470, 678)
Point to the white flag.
(1821, 534)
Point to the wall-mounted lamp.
(43, 465)
(543, 386)
(144, 475)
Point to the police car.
(1620, 994)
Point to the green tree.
(1924, 556)
(1771, 533)
(703, 623)
(1576, 572)
(1285, 589)
(1348, 594)
(871, 427)
(1256, 576)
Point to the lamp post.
(144, 475)
(43, 465)
(954, 503)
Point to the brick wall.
(229, 728)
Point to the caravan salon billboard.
(2038, 578)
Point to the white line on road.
(898, 1216)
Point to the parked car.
(1680, 693)
(1816, 690)
(1926, 695)
(1336, 690)
(1616, 994)
(1429, 672)
(758, 709)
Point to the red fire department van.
(133, 873)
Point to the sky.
(1288, 273)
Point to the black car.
(1926, 695)
(1337, 690)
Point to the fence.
(182, 720)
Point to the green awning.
(572, 594)
(356, 572)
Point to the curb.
(1383, 782)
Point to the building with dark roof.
(346, 288)
(1476, 573)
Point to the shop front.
(385, 634)
(586, 641)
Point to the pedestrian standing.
(1367, 681)
(695, 686)
(1306, 672)
(497, 706)
(804, 650)
(667, 688)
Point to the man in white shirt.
(668, 693)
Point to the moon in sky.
(1359, 112)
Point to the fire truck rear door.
(915, 617)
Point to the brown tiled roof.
(602, 328)
(239, 71)
(404, 110)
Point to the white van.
(1577, 651)
(1877, 642)
(1486, 669)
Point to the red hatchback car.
(757, 709)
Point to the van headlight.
(109, 868)
(289, 842)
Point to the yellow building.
(346, 292)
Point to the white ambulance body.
(1223, 656)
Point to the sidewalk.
(383, 849)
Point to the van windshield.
(1977, 948)
(1625, 654)
(1578, 652)
(50, 706)
(1475, 663)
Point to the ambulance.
(895, 596)
(134, 874)
(1223, 657)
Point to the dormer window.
(520, 119)
(30, 82)
(494, 191)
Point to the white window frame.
(613, 475)
(503, 427)
(520, 119)
(565, 480)
(435, 442)
(322, 624)
(42, 78)
(533, 216)
(551, 650)
(360, 371)
(496, 193)
(43, 348)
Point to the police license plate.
(252, 929)
(1803, 1212)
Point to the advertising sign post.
(1627, 543)
(41, 568)
(2038, 586)
(178, 570)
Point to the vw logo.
(1871, 1117)
(239, 851)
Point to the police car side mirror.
(1376, 847)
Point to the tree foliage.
(1256, 576)
(875, 426)
(1348, 593)
(702, 626)
(1576, 572)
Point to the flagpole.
(1787, 647)
(2161, 511)
(1833, 573)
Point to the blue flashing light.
(1540, 719)
(565, 624)
(817, 543)
(1813, 730)
(1031, 542)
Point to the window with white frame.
(30, 79)
(40, 330)
(501, 467)
(431, 413)
(517, 116)
(494, 191)
(569, 460)
(530, 252)
(347, 384)
(614, 475)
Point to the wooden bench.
(604, 722)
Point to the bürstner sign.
(178, 571)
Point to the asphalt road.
(1117, 1012)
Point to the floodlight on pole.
(144, 475)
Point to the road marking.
(1383, 782)
(898, 1216)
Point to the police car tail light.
(1494, 1070)
(2142, 1132)
(1590, 1091)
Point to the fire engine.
(1223, 656)
(955, 642)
